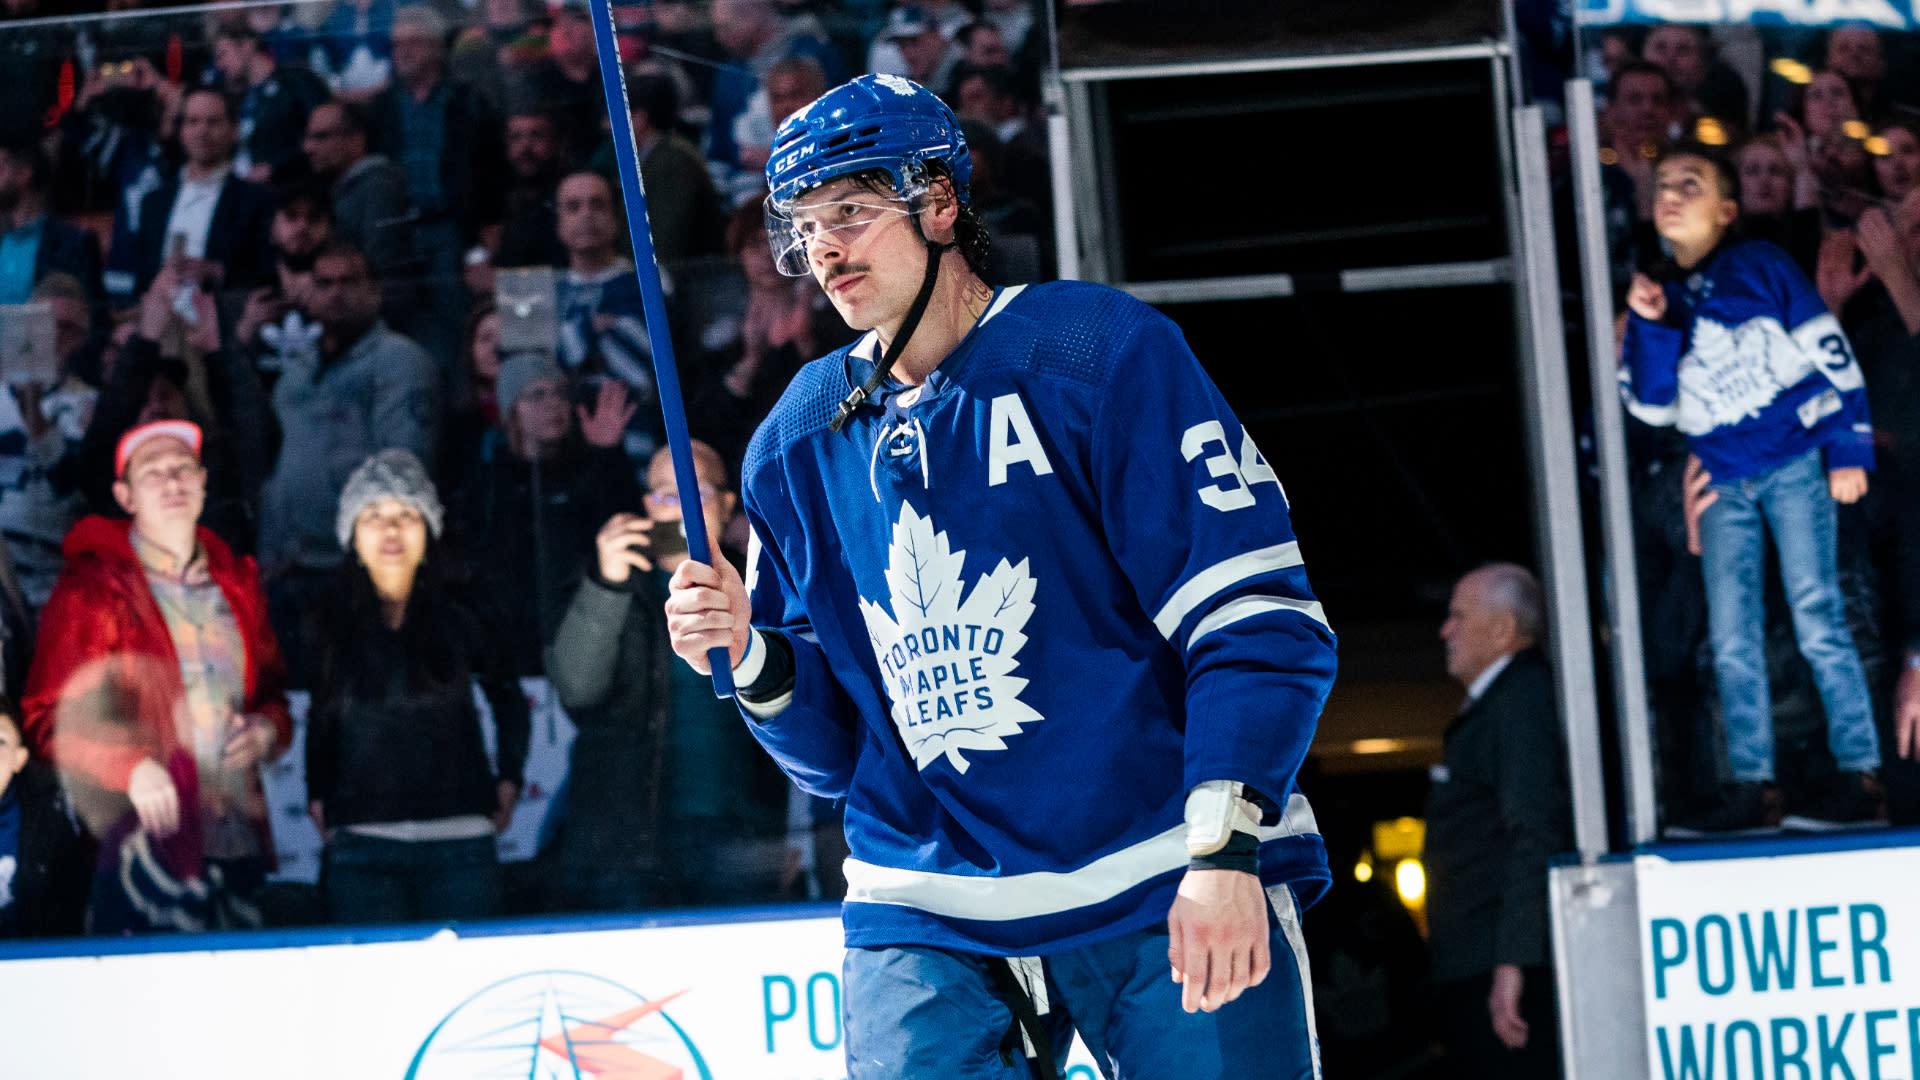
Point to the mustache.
(843, 270)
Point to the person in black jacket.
(209, 215)
(45, 870)
(274, 100)
(397, 775)
(551, 473)
(1496, 813)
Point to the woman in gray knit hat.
(397, 774)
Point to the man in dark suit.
(206, 212)
(1496, 814)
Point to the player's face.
(863, 251)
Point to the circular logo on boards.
(559, 1025)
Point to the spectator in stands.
(365, 389)
(1896, 160)
(537, 494)
(275, 327)
(1015, 18)
(982, 46)
(1829, 114)
(397, 774)
(887, 54)
(158, 683)
(43, 863)
(926, 50)
(664, 774)
(448, 143)
(1880, 307)
(536, 160)
(40, 433)
(1855, 52)
(989, 94)
(372, 206)
(603, 331)
(1639, 124)
(788, 86)
(275, 100)
(33, 244)
(683, 208)
(207, 215)
(756, 34)
(355, 42)
(1497, 813)
(171, 369)
(567, 82)
(1702, 85)
(1785, 438)
(1779, 196)
(469, 429)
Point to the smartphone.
(527, 300)
(27, 355)
(666, 538)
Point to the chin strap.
(865, 390)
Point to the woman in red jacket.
(157, 689)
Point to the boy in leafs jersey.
(1741, 354)
(1024, 593)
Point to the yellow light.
(1855, 129)
(1400, 838)
(1378, 746)
(1608, 157)
(1877, 146)
(1792, 70)
(1411, 880)
(1363, 870)
(1709, 131)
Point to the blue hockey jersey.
(1761, 374)
(1031, 603)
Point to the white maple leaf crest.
(949, 666)
(897, 84)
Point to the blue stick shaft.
(654, 303)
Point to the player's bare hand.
(622, 544)
(1646, 298)
(155, 800)
(1848, 485)
(1217, 937)
(707, 608)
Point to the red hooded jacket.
(105, 654)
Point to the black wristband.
(1242, 852)
(776, 673)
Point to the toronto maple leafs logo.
(898, 85)
(948, 665)
(292, 341)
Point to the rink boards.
(753, 994)
(1780, 958)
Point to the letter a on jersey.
(1013, 440)
(949, 666)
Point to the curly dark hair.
(970, 234)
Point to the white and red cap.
(184, 430)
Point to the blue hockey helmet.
(881, 122)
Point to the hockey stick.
(654, 304)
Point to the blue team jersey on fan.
(1761, 373)
(1031, 604)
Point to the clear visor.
(794, 228)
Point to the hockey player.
(1024, 593)
(1739, 352)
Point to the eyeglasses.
(672, 499)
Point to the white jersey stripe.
(1220, 577)
(1246, 607)
(1000, 304)
(1028, 896)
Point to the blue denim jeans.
(921, 1012)
(371, 880)
(1794, 503)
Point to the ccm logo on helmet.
(788, 161)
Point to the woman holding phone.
(670, 800)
